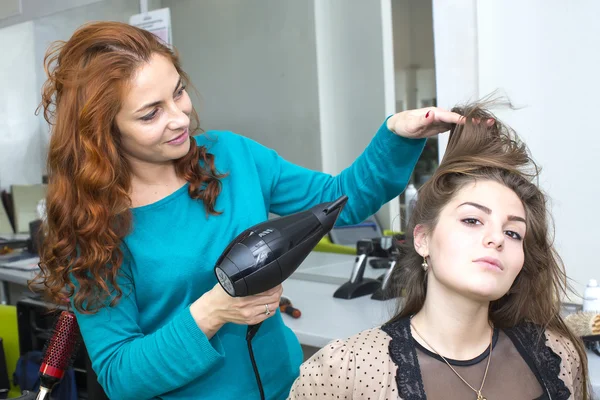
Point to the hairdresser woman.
(139, 210)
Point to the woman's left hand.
(423, 122)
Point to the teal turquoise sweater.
(148, 345)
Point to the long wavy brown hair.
(89, 178)
(478, 152)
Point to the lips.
(491, 262)
(177, 138)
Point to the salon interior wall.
(542, 55)
(20, 149)
(253, 63)
(24, 38)
(414, 61)
(313, 79)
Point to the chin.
(482, 294)
(181, 151)
(485, 290)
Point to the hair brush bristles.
(584, 323)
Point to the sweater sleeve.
(356, 368)
(131, 364)
(328, 373)
(378, 175)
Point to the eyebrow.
(149, 105)
(489, 211)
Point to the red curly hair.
(89, 183)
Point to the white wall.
(356, 79)
(23, 136)
(17, 11)
(413, 52)
(20, 149)
(312, 79)
(456, 49)
(352, 85)
(413, 37)
(60, 26)
(254, 64)
(306, 78)
(542, 53)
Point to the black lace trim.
(404, 354)
(532, 340)
(528, 338)
(461, 363)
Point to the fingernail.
(427, 115)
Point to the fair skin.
(154, 124)
(475, 253)
(155, 110)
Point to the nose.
(494, 237)
(178, 118)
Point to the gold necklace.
(478, 392)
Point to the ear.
(421, 240)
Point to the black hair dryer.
(266, 254)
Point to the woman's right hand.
(216, 307)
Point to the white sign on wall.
(157, 21)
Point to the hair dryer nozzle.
(327, 213)
(336, 205)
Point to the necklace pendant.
(480, 397)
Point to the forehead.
(152, 81)
(493, 195)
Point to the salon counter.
(324, 318)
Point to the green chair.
(10, 338)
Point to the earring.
(425, 265)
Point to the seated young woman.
(480, 318)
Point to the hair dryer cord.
(252, 329)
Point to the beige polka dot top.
(361, 368)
